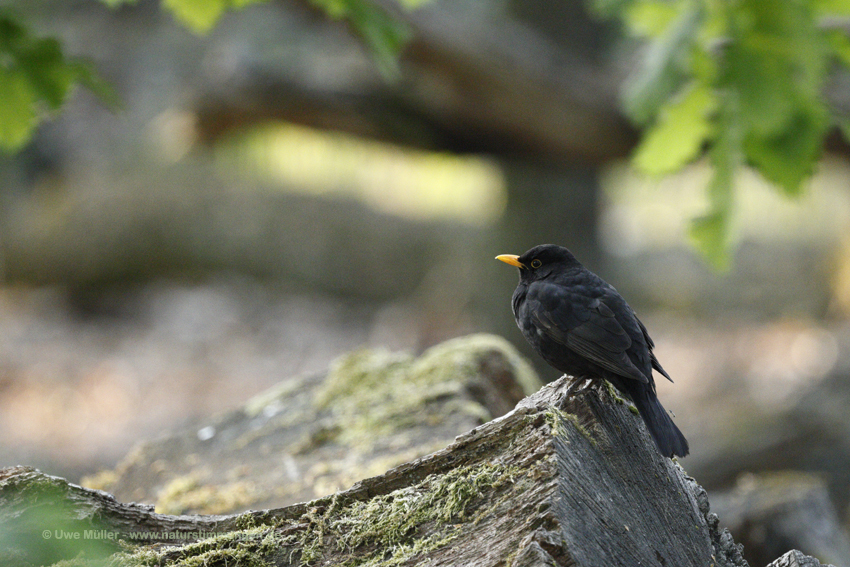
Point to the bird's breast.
(518, 299)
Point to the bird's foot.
(579, 385)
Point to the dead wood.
(555, 481)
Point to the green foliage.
(665, 68)
(741, 81)
(383, 34)
(117, 3)
(202, 15)
(49, 525)
(35, 78)
(710, 232)
(776, 62)
(678, 135)
(198, 15)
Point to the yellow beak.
(511, 259)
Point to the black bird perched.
(580, 325)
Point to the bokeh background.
(266, 200)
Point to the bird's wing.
(655, 364)
(590, 329)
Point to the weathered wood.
(554, 482)
(796, 558)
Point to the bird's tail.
(667, 437)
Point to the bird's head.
(541, 261)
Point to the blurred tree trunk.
(558, 202)
(552, 204)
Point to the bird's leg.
(589, 384)
(574, 383)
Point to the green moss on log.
(376, 393)
(390, 522)
(246, 548)
(187, 492)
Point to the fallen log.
(556, 481)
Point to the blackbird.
(581, 326)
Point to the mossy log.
(556, 481)
(312, 436)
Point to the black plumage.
(583, 327)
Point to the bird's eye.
(536, 263)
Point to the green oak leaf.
(678, 136)
(17, 113)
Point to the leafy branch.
(740, 81)
(36, 77)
